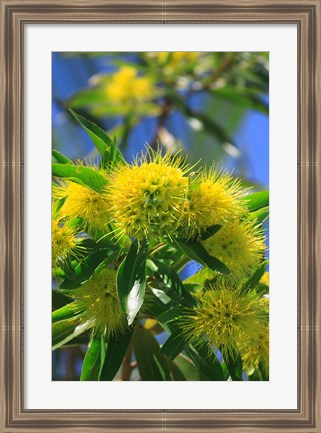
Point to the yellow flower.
(255, 353)
(125, 86)
(64, 242)
(148, 196)
(177, 58)
(225, 317)
(239, 245)
(82, 202)
(213, 199)
(98, 303)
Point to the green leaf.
(66, 312)
(197, 252)
(152, 365)
(174, 345)
(260, 215)
(170, 283)
(210, 231)
(171, 315)
(98, 136)
(86, 268)
(59, 300)
(116, 350)
(112, 156)
(104, 144)
(256, 200)
(189, 369)
(87, 97)
(235, 369)
(62, 159)
(254, 280)
(66, 330)
(131, 279)
(206, 362)
(92, 361)
(85, 175)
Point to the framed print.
(147, 135)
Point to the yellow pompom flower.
(148, 196)
(239, 245)
(64, 242)
(98, 303)
(213, 199)
(177, 58)
(255, 353)
(82, 202)
(225, 317)
(125, 86)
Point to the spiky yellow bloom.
(98, 303)
(64, 242)
(239, 245)
(148, 196)
(213, 199)
(225, 317)
(125, 86)
(255, 353)
(82, 202)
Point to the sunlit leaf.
(131, 279)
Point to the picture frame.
(306, 15)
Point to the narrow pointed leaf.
(174, 345)
(260, 215)
(131, 280)
(256, 200)
(98, 136)
(66, 312)
(152, 364)
(116, 350)
(86, 268)
(66, 330)
(207, 363)
(169, 281)
(92, 361)
(60, 158)
(197, 252)
(85, 175)
(254, 280)
(104, 144)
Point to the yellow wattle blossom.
(64, 242)
(239, 245)
(255, 353)
(213, 199)
(148, 197)
(125, 86)
(177, 58)
(224, 317)
(98, 303)
(82, 202)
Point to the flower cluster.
(125, 86)
(159, 198)
(226, 317)
(98, 304)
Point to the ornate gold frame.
(306, 14)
